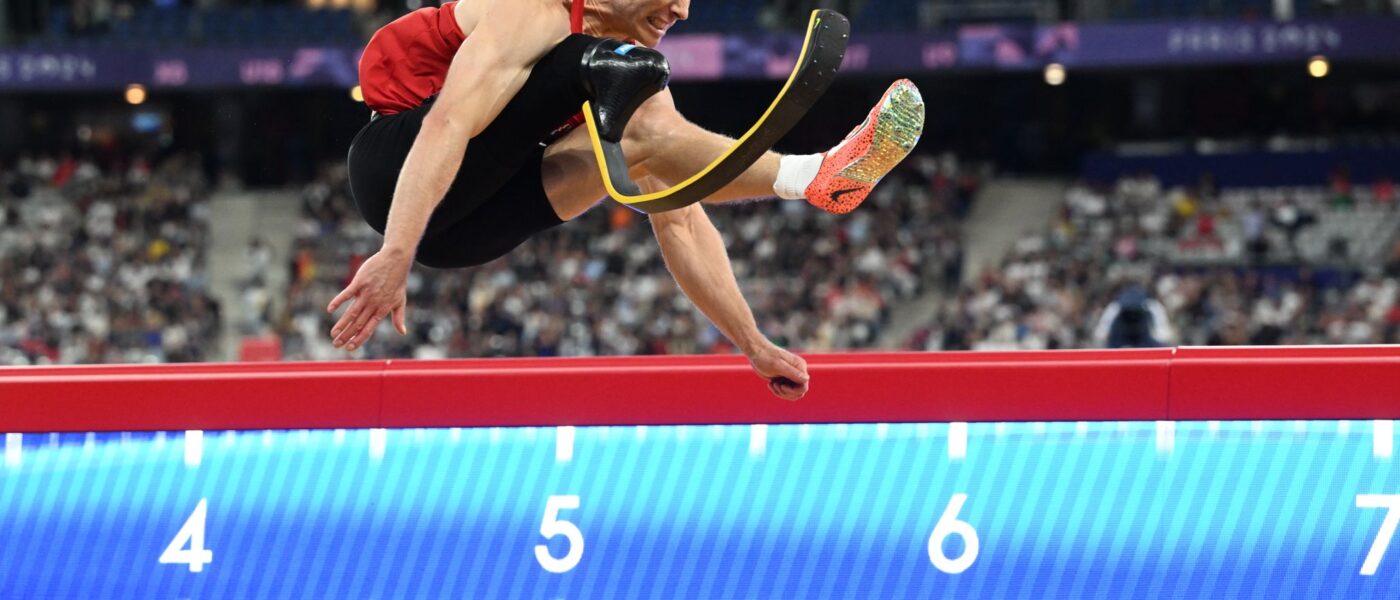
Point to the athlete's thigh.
(571, 179)
(502, 221)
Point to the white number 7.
(552, 526)
(1392, 518)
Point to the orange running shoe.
(851, 169)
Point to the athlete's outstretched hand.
(786, 372)
(378, 290)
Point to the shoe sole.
(898, 125)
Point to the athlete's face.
(648, 20)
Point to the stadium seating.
(1251, 266)
(176, 27)
(234, 25)
(104, 264)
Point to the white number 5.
(948, 524)
(554, 526)
(192, 533)
(1392, 518)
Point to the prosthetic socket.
(620, 77)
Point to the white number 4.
(552, 526)
(949, 525)
(192, 533)
(1392, 518)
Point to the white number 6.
(552, 526)
(948, 524)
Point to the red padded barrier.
(174, 397)
(845, 389)
(1171, 384)
(1355, 382)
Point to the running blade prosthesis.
(822, 53)
(850, 170)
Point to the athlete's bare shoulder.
(555, 13)
(508, 39)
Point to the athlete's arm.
(490, 67)
(696, 255)
(487, 71)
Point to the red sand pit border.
(1127, 385)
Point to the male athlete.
(471, 150)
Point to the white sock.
(795, 173)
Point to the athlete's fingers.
(800, 364)
(368, 314)
(787, 389)
(342, 329)
(797, 391)
(350, 294)
(340, 325)
(785, 368)
(399, 315)
(346, 294)
(364, 333)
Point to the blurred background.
(1094, 173)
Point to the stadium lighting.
(1054, 73)
(135, 94)
(1318, 66)
(357, 94)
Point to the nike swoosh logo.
(836, 196)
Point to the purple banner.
(1012, 47)
(196, 68)
(1231, 42)
(706, 57)
(699, 56)
(29, 70)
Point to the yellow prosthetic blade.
(822, 52)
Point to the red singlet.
(406, 61)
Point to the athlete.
(472, 148)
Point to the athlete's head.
(644, 21)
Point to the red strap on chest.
(576, 16)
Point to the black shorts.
(497, 200)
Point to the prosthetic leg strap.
(822, 52)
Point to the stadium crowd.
(104, 263)
(598, 285)
(1138, 239)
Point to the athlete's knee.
(655, 120)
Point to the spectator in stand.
(1392, 267)
(1133, 320)
(1383, 190)
(1341, 188)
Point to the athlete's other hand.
(786, 372)
(378, 290)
